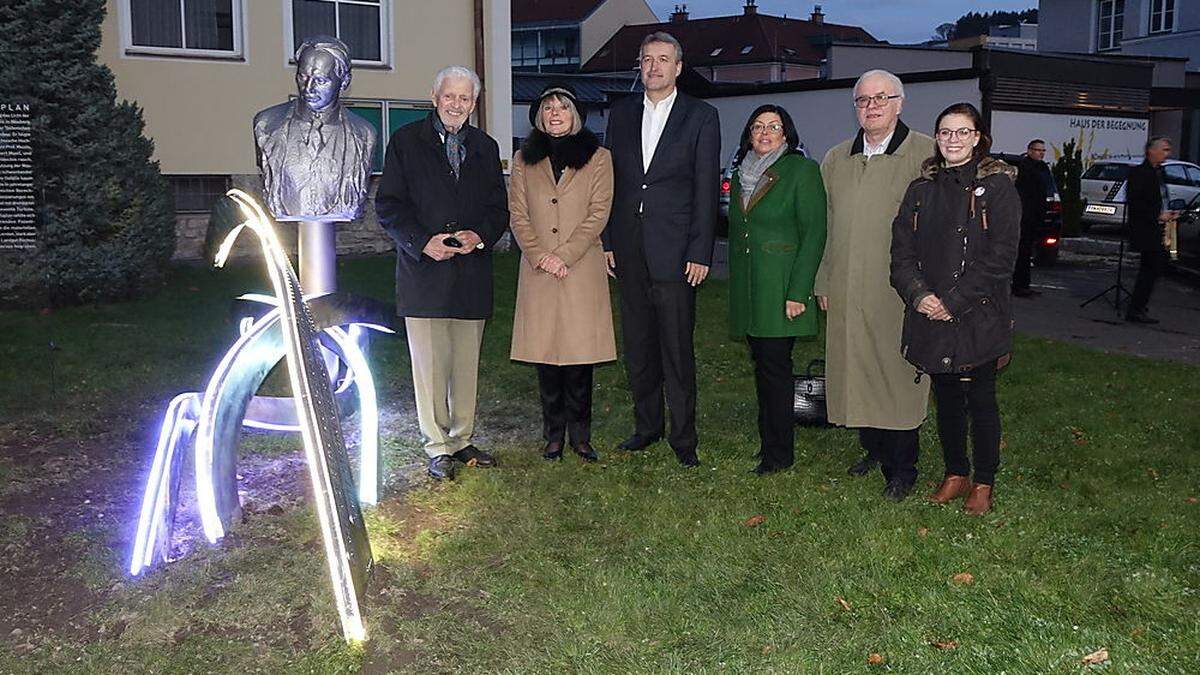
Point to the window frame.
(173, 179)
(1170, 179)
(386, 105)
(125, 8)
(1163, 11)
(385, 32)
(1116, 36)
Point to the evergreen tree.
(106, 225)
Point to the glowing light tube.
(178, 422)
(282, 280)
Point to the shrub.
(106, 226)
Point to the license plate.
(1104, 210)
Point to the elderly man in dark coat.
(442, 198)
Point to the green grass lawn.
(632, 564)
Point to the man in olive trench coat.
(869, 384)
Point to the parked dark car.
(1049, 234)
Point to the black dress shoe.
(1140, 317)
(552, 451)
(764, 469)
(863, 467)
(1026, 293)
(897, 490)
(441, 467)
(473, 456)
(635, 443)
(688, 459)
(585, 451)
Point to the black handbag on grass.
(809, 405)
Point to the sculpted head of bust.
(322, 72)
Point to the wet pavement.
(1057, 314)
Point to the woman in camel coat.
(559, 200)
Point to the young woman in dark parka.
(954, 243)
(776, 239)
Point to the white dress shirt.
(870, 150)
(654, 119)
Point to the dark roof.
(588, 88)
(543, 11)
(747, 38)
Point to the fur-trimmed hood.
(574, 151)
(988, 166)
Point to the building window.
(183, 27)
(1111, 24)
(1162, 16)
(546, 50)
(387, 117)
(361, 24)
(197, 194)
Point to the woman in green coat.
(776, 240)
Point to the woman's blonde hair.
(576, 122)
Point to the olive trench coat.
(868, 382)
(562, 321)
(775, 245)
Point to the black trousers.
(896, 450)
(775, 387)
(566, 393)
(1153, 265)
(969, 397)
(657, 322)
(1021, 271)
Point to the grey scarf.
(752, 168)
(456, 152)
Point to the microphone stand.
(1117, 288)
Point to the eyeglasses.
(772, 128)
(961, 134)
(877, 99)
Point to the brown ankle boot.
(952, 488)
(979, 501)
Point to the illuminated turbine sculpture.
(209, 421)
(315, 158)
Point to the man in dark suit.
(666, 149)
(1033, 185)
(442, 198)
(1146, 202)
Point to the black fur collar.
(574, 151)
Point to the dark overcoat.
(956, 236)
(418, 197)
(1143, 200)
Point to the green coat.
(775, 246)
(867, 381)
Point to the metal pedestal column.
(318, 256)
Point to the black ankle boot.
(552, 451)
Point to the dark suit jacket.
(678, 194)
(1143, 204)
(1032, 177)
(418, 196)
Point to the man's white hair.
(456, 72)
(892, 79)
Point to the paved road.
(1056, 313)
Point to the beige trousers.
(445, 369)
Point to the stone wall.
(360, 237)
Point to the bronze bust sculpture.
(315, 155)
